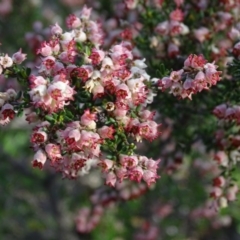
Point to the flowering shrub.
(88, 104)
(98, 99)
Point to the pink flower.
(179, 2)
(165, 83)
(90, 143)
(39, 159)
(19, 57)
(212, 76)
(135, 174)
(173, 50)
(111, 179)
(221, 158)
(31, 117)
(175, 28)
(121, 173)
(151, 164)
(60, 91)
(131, 4)
(98, 91)
(78, 162)
(176, 76)
(148, 130)
(147, 115)
(107, 65)
(176, 89)
(163, 28)
(106, 132)
(6, 114)
(45, 49)
(150, 177)
(216, 192)
(73, 21)
(195, 61)
(56, 29)
(53, 151)
(201, 34)
(88, 119)
(84, 72)
(119, 54)
(128, 161)
(106, 165)
(219, 181)
(231, 192)
(85, 13)
(96, 56)
(38, 137)
(236, 49)
(220, 111)
(35, 81)
(177, 15)
(72, 137)
(122, 91)
(188, 84)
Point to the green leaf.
(50, 118)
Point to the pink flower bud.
(85, 13)
(111, 179)
(19, 57)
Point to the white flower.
(6, 61)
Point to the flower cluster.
(196, 76)
(223, 191)
(89, 105)
(224, 187)
(7, 111)
(133, 167)
(208, 211)
(88, 218)
(227, 113)
(169, 30)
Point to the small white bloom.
(6, 61)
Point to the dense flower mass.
(89, 105)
